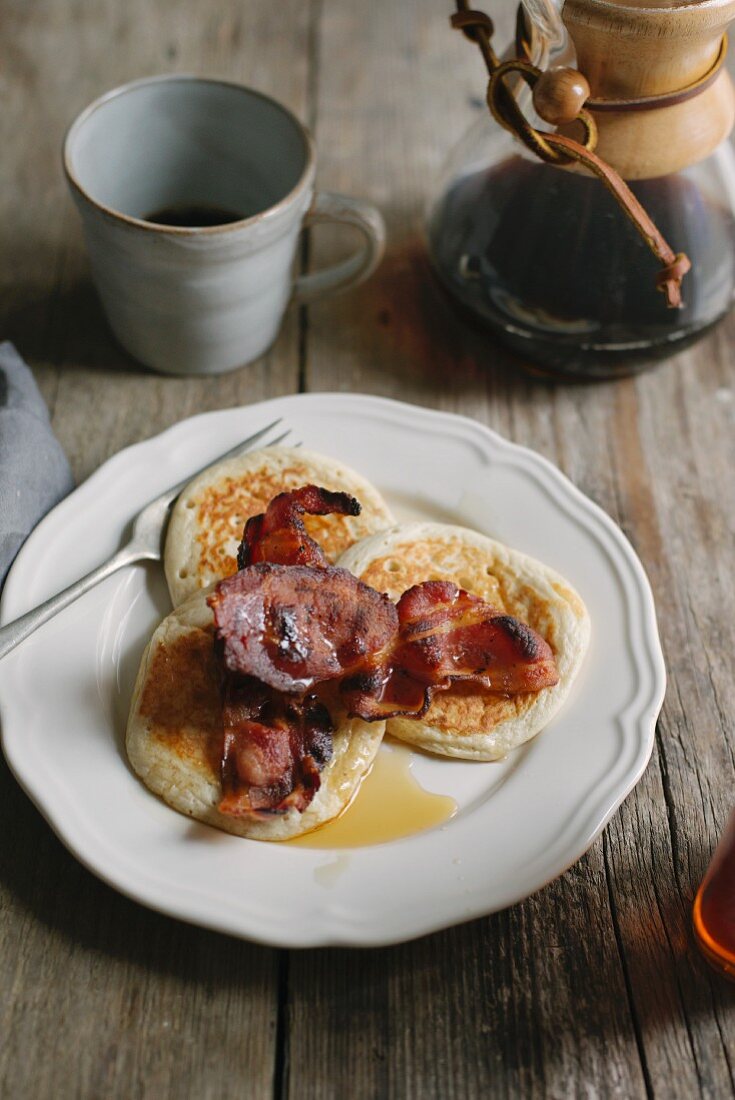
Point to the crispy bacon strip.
(289, 621)
(273, 749)
(293, 626)
(279, 536)
(446, 635)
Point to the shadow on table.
(554, 996)
(69, 327)
(402, 330)
(401, 325)
(39, 875)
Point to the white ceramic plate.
(64, 693)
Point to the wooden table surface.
(593, 987)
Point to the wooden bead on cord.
(559, 95)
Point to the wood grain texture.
(99, 997)
(397, 335)
(593, 986)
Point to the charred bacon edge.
(280, 533)
(250, 710)
(430, 690)
(310, 624)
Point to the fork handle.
(19, 629)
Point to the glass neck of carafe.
(551, 39)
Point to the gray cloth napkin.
(34, 472)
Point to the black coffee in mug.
(181, 296)
(194, 217)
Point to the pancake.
(463, 721)
(207, 520)
(173, 734)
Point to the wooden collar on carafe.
(663, 99)
(563, 96)
(659, 91)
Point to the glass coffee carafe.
(543, 254)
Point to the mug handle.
(331, 207)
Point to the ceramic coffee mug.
(207, 299)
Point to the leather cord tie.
(556, 149)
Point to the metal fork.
(146, 544)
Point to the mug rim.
(301, 185)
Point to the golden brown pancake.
(465, 721)
(174, 734)
(207, 521)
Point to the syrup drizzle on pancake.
(388, 805)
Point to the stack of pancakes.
(173, 732)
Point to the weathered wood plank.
(532, 1002)
(98, 996)
(674, 455)
(525, 1003)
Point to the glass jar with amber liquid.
(714, 906)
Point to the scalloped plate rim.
(337, 930)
